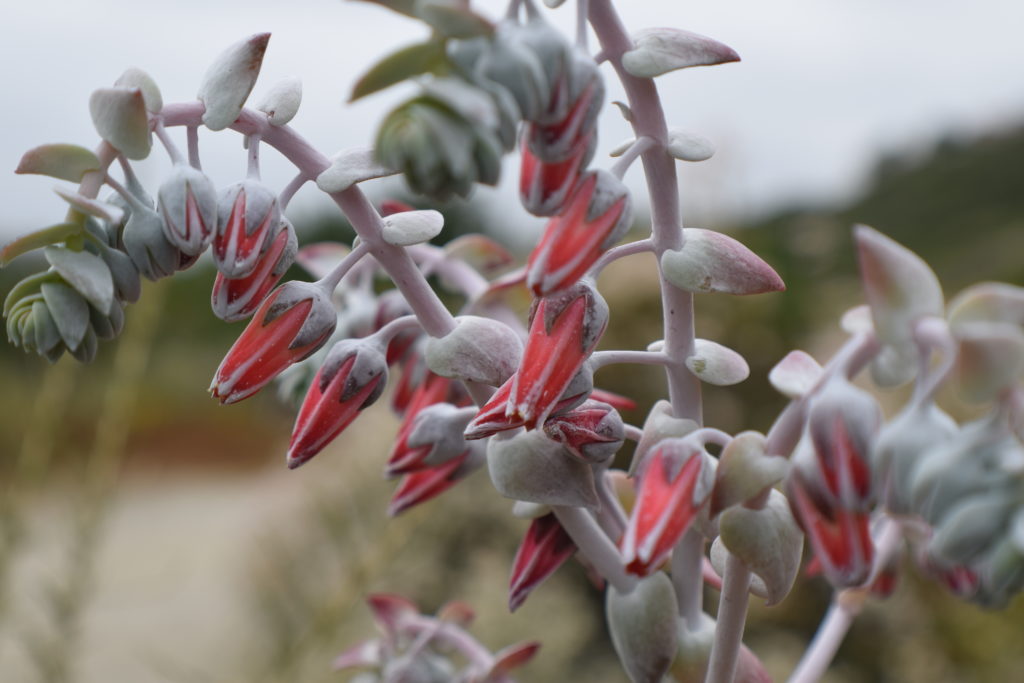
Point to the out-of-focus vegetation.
(305, 574)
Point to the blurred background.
(147, 534)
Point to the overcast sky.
(823, 88)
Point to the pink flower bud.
(556, 142)
(391, 305)
(188, 204)
(564, 330)
(248, 219)
(592, 432)
(351, 378)
(675, 484)
(291, 324)
(596, 217)
(544, 549)
(236, 299)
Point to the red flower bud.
(674, 485)
(839, 537)
(592, 432)
(544, 549)
(433, 389)
(424, 484)
(236, 299)
(291, 324)
(564, 330)
(351, 378)
(544, 186)
(248, 219)
(595, 219)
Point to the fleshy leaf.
(713, 262)
(687, 146)
(717, 364)
(990, 358)
(230, 79)
(987, 302)
(66, 162)
(768, 541)
(137, 78)
(410, 61)
(453, 20)
(281, 103)
(35, 240)
(659, 50)
(91, 207)
(478, 349)
(857, 320)
(119, 115)
(643, 625)
(899, 286)
(412, 227)
(406, 7)
(352, 166)
(744, 470)
(796, 374)
(531, 467)
(69, 310)
(86, 273)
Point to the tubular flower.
(592, 432)
(248, 219)
(424, 484)
(432, 390)
(294, 321)
(564, 329)
(188, 204)
(544, 549)
(596, 217)
(839, 537)
(675, 483)
(544, 186)
(351, 378)
(237, 298)
(830, 488)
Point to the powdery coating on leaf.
(137, 78)
(744, 470)
(795, 375)
(65, 162)
(91, 207)
(644, 625)
(899, 286)
(352, 166)
(687, 146)
(713, 262)
(990, 359)
(230, 79)
(119, 115)
(660, 50)
(987, 302)
(477, 349)
(86, 273)
(281, 103)
(717, 364)
(412, 227)
(531, 467)
(768, 541)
